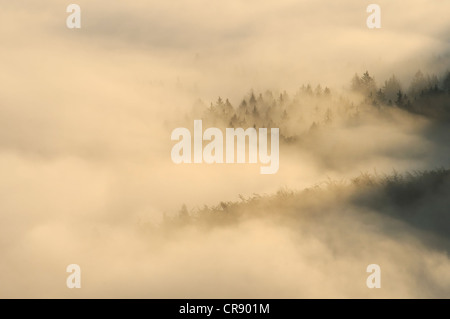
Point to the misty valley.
(236, 149)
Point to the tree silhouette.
(391, 88)
(399, 100)
(446, 83)
(365, 85)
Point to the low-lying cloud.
(85, 169)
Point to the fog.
(85, 169)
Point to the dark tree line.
(427, 94)
(311, 108)
(297, 114)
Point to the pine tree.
(399, 101)
(446, 83)
(391, 88)
(418, 84)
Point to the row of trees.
(294, 114)
(314, 107)
(396, 195)
(420, 85)
(426, 94)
